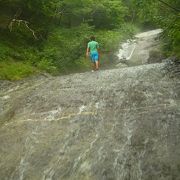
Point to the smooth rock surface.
(120, 124)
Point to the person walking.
(93, 52)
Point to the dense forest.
(51, 36)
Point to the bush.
(66, 46)
(4, 51)
(47, 66)
(15, 70)
(129, 30)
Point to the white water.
(127, 49)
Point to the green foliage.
(47, 66)
(108, 40)
(164, 14)
(171, 35)
(108, 14)
(15, 70)
(63, 28)
(128, 30)
(65, 46)
(4, 51)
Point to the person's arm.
(87, 52)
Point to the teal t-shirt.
(93, 46)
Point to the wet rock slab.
(144, 49)
(120, 124)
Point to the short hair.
(92, 38)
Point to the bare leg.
(97, 65)
(93, 66)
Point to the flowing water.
(137, 51)
(119, 124)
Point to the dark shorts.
(94, 57)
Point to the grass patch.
(16, 70)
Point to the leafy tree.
(164, 14)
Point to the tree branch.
(175, 9)
(61, 12)
(19, 22)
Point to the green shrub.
(129, 30)
(65, 46)
(15, 70)
(47, 66)
(4, 51)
